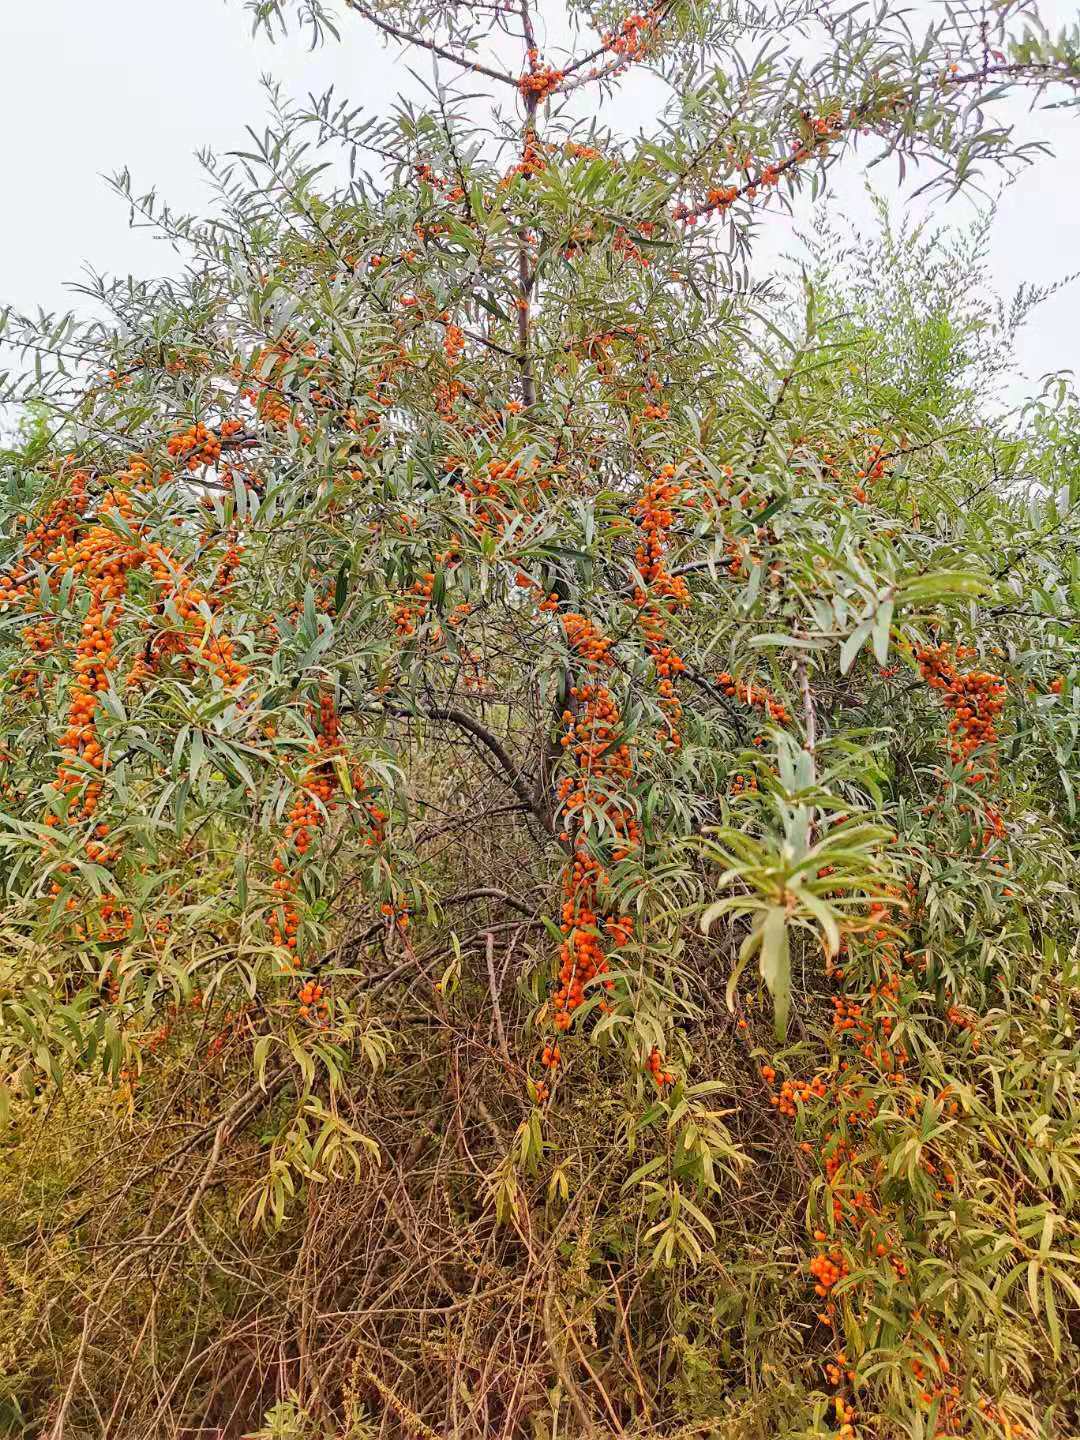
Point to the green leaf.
(882, 624)
(853, 644)
(776, 965)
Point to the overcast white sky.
(87, 88)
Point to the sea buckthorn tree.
(538, 767)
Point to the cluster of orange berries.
(720, 198)
(827, 126)
(181, 364)
(769, 176)
(661, 594)
(590, 733)
(157, 1038)
(100, 854)
(447, 393)
(861, 1021)
(578, 239)
(574, 150)
(656, 1068)
(406, 613)
(94, 653)
(409, 612)
(734, 558)
(533, 159)
(947, 1396)
(55, 528)
(312, 1004)
(962, 1021)
(846, 1013)
(863, 1025)
(265, 381)
(871, 469)
(590, 741)
(621, 930)
(40, 637)
(453, 343)
(189, 601)
(26, 678)
(793, 1092)
(275, 410)
(425, 175)
(200, 445)
(828, 1269)
(754, 695)
(114, 921)
(102, 561)
(541, 80)
(583, 637)
(485, 496)
(286, 921)
(851, 1016)
(631, 40)
(581, 955)
(13, 587)
(836, 1373)
(845, 1418)
(61, 518)
(306, 815)
(993, 1415)
(380, 392)
(227, 567)
(976, 700)
(598, 345)
(450, 189)
(850, 1094)
(623, 244)
(601, 768)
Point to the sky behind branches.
(88, 89)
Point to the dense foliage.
(538, 777)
